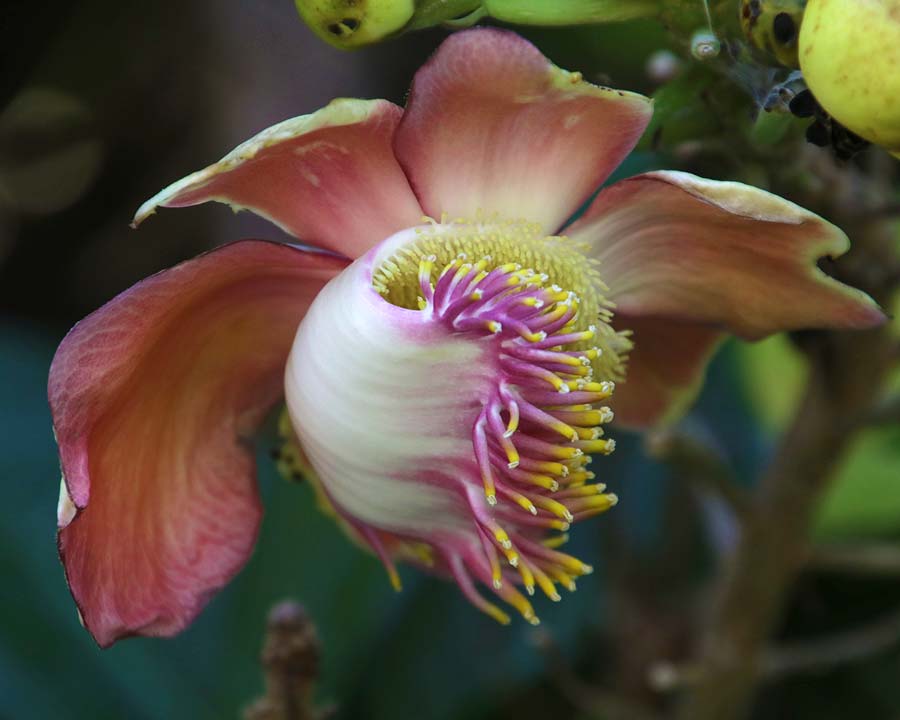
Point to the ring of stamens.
(536, 432)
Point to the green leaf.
(864, 500)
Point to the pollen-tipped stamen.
(539, 302)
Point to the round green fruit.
(850, 58)
(350, 24)
(772, 28)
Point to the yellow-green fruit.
(772, 27)
(352, 23)
(850, 57)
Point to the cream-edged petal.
(154, 398)
(725, 254)
(329, 178)
(492, 125)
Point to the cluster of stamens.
(536, 432)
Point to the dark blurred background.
(103, 103)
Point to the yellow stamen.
(555, 541)
(546, 585)
(557, 508)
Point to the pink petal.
(492, 125)
(154, 398)
(678, 246)
(329, 178)
(686, 257)
(665, 369)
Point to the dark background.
(102, 103)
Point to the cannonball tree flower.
(449, 355)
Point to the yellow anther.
(591, 433)
(520, 603)
(584, 491)
(490, 490)
(572, 565)
(558, 383)
(502, 537)
(512, 557)
(452, 266)
(512, 455)
(584, 418)
(549, 467)
(555, 312)
(562, 577)
(565, 430)
(513, 423)
(546, 585)
(533, 337)
(555, 541)
(523, 502)
(551, 505)
(577, 472)
(426, 265)
(604, 447)
(394, 577)
(594, 503)
(496, 570)
(563, 359)
(422, 303)
(603, 389)
(564, 452)
(527, 577)
(493, 326)
(544, 481)
(496, 613)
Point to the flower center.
(539, 302)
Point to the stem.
(879, 559)
(809, 657)
(845, 378)
(290, 658)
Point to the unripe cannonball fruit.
(850, 58)
(771, 27)
(353, 23)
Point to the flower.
(447, 379)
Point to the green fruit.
(569, 12)
(772, 28)
(349, 24)
(850, 57)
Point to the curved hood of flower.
(448, 389)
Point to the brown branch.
(814, 656)
(846, 375)
(877, 559)
(588, 699)
(290, 659)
